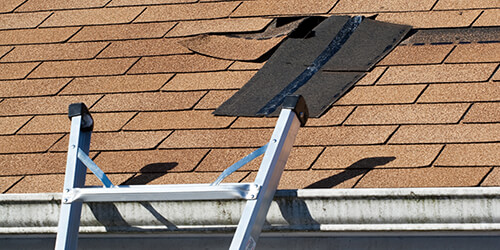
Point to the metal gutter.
(393, 211)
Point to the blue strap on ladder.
(85, 159)
(239, 164)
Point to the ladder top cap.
(297, 104)
(77, 109)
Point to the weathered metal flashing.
(395, 211)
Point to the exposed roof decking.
(425, 116)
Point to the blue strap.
(239, 164)
(85, 159)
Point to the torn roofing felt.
(322, 66)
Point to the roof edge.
(321, 210)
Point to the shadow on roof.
(360, 167)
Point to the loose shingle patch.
(303, 66)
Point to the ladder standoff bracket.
(297, 104)
(76, 109)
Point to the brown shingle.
(178, 64)
(148, 101)
(150, 161)
(9, 125)
(187, 11)
(284, 7)
(386, 156)
(20, 164)
(353, 6)
(190, 178)
(43, 105)
(230, 25)
(493, 179)
(146, 2)
(459, 155)
(246, 66)
(113, 84)
(462, 92)
(7, 181)
(447, 133)
(254, 122)
(344, 135)
(482, 52)
(483, 112)
(61, 124)
(488, 18)
(178, 120)
(28, 36)
(22, 20)
(37, 87)
(335, 116)
(465, 4)
(217, 138)
(46, 52)
(92, 16)
(432, 19)
(122, 31)
(438, 73)
(220, 159)
(27, 143)
(15, 70)
(382, 94)
(408, 114)
(119, 141)
(496, 76)
(426, 54)
(39, 184)
(54, 183)
(214, 99)
(10, 5)
(96, 67)
(371, 77)
(4, 50)
(210, 80)
(315, 179)
(116, 179)
(147, 47)
(423, 177)
(37, 5)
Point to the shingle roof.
(426, 116)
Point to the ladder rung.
(172, 192)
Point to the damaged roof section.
(250, 46)
(321, 65)
(434, 107)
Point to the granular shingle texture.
(427, 115)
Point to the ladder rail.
(69, 217)
(268, 176)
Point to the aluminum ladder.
(258, 195)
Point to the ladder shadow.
(150, 173)
(109, 215)
(360, 167)
(295, 211)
